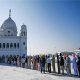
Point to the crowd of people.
(46, 63)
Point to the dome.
(9, 27)
(9, 24)
(1, 32)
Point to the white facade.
(10, 43)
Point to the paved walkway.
(17, 73)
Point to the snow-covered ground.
(17, 73)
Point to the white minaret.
(23, 36)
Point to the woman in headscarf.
(53, 63)
(68, 65)
(74, 61)
(78, 64)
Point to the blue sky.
(52, 25)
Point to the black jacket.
(61, 61)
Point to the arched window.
(3, 45)
(0, 45)
(17, 45)
(11, 45)
(7, 45)
(9, 32)
(14, 45)
(23, 43)
(24, 33)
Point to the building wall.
(10, 50)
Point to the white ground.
(17, 73)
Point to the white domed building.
(10, 42)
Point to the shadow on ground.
(62, 75)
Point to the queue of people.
(64, 63)
(46, 63)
